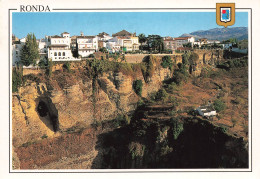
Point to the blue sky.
(91, 23)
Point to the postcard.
(105, 87)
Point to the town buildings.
(126, 40)
(87, 45)
(171, 43)
(69, 48)
(180, 41)
(16, 49)
(59, 48)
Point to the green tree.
(187, 45)
(177, 128)
(17, 78)
(155, 43)
(49, 69)
(43, 63)
(103, 50)
(142, 39)
(167, 62)
(138, 87)
(67, 66)
(161, 95)
(185, 58)
(29, 52)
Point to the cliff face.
(205, 58)
(71, 101)
(38, 111)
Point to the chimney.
(81, 33)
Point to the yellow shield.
(225, 14)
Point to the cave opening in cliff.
(42, 109)
(47, 116)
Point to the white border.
(141, 170)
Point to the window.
(59, 53)
(63, 53)
(55, 53)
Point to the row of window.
(59, 54)
(60, 41)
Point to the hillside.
(106, 114)
(239, 33)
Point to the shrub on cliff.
(161, 95)
(66, 66)
(148, 67)
(179, 78)
(17, 76)
(219, 105)
(167, 62)
(177, 128)
(43, 63)
(138, 87)
(49, 69)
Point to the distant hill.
(239, 33)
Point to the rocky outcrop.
(77, 104)
(206, 58)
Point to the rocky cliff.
(71, 107)
(40, 110)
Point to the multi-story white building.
(113, 46)
(43, 45)
(104, 36)
(16, 50)
(169, 43)
(180, 41)
(87, 45)
(127, 43)
(59, 48)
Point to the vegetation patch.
(17, 79)
(138, 87)
(167, 62)
(219, 105)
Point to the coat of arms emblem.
(225, 14)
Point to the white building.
(59, 48)
(113, 46)
(16, 53)
(43, 45)
(206, 111)
(87, 45)
(180, 41)
(213, 42)
(127, 43)
(169, 43)
(104, 36)
(16, 50)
